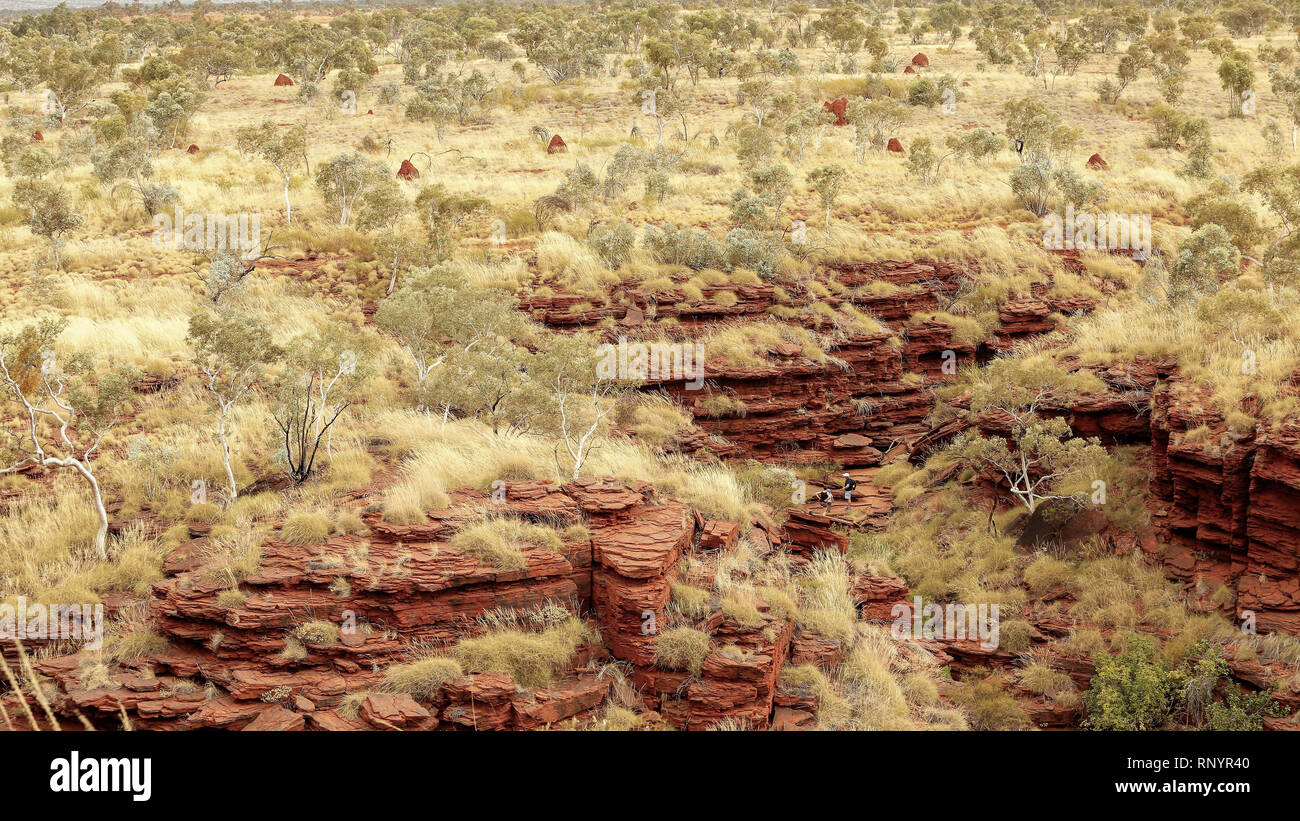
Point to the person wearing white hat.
(850, 485)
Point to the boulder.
(857, 449)
(551, 705)
(810, 648)
(386, 711)
(785, 719)
(282, 80)
(851, 441)
(480, 701)
(894, 146)
(634, 315)
(408, 171)
(719, 535)
(876, 595)
(331, 720)
(806, 531)
(1059, 523)
(226, 713)
(556, 145)
(275, 719)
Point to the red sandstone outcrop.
(737, 683)
(1224, 500)
(807, 531)
(1228, 508)
(631, 576)
(719, 535)
(1031, 316)
(228, 665)
(798, 409)
(877, 595)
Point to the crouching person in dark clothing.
(824, 496)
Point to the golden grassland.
(128, 300)
(131, 299)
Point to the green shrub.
(612, 243)
(1045, 681)
(1132, 690)
(1014, 636)
(1242, 711)
(683, 246)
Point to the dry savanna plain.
(650, 366)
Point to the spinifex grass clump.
(533, 646)
(422, 678)
(683, 648)
(500, 541)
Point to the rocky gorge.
(1224, 521)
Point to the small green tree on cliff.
(1039, 454)
(60, 408)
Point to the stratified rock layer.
(241, 664)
